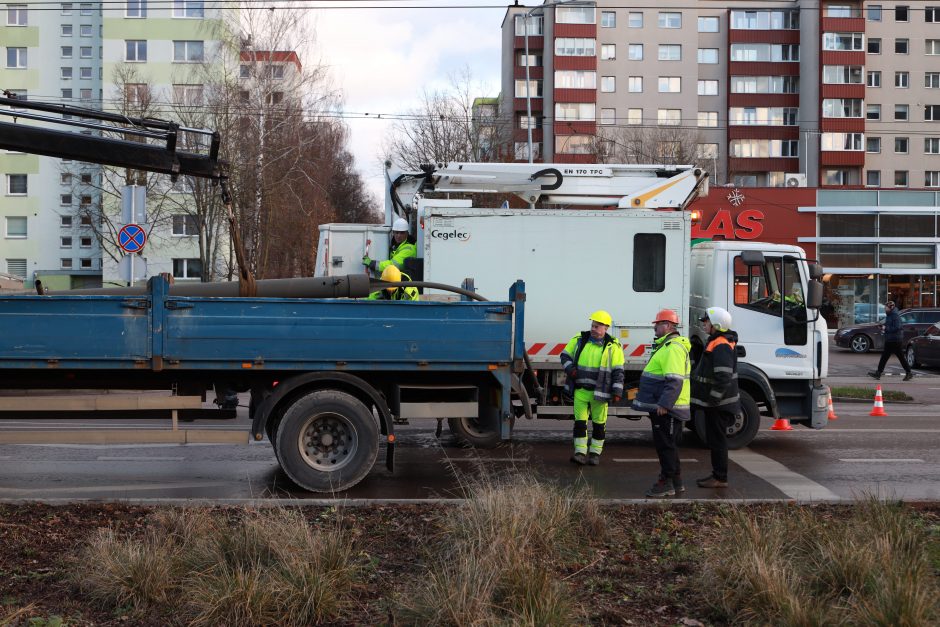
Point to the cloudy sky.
(383, 59)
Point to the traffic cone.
(781, 424)
(879, 408)
(832, 412)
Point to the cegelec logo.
(449, 234)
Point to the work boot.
(874, 374)
(661, 489)
(579, 459)
(712, 481)
(908, 376)
(677, 484)
(594, 459)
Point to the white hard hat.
(720, 318)
(400, 225)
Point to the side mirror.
(814, 294)
(816, 271)
(752, 257)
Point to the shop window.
(906, 255)
(847, 225)
(846, 255)
(895, 225)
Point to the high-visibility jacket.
(715, 378)
(665, 379)
(599, 365)
(399, 293)
(397, 253)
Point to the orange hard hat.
(667, 315)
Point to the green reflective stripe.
(597, 446)
(580, 445)
(653, 375)
(676, 376)
(715, 394)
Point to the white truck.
(613, 237)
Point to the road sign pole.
(131, 282)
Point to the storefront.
(876, 245)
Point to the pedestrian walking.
(892, 333)
(715, 391)
(664, 393)
(593, 363)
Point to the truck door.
(769, 315)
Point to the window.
(66, 30)
(635, 84)
(86, 179)
(842, 74)
(670, 84)
(670, 20)
(765, 52)
(534, 60)
(842, 108)
(841, 10)
(532, 24)
(66, 8)
(608, 84)
(634, 116)
(574, 15)
(65, 241)
(635, 52)
(670, 52)
(66, 52)
(874, 13)
(275, 72)
(84, 73)
(65, 73)
(16, 267)
(84, 30)
(708, 24)
(188, 51)
(634, 19)
(932, 145)
(65, 178)
(65, 221)
(575, 47)
(900, 178)
(608, 19)
(842, 141)
(873, 144)
(873, 112)
(873, 178)
(84, 52)
(708, 119)
(901, 14)
(574, 111)
(843, 41)
(932, 178)
(184, 225)
(873, 79)
(522, 150)
(901, 112)
(136, 8)
(874, 45)
(16, 184)
(649, 262)
(16, 58)
(575, 79)
(708, 55)
(65, 263)
(136, 93)
(135, 50)
(765, 20)
(64, 200)
(85, 263)
(84, 242)
(16, 227)
(84, 94)
(573, 144)
(765, 84)
(932, 15)
(608, 116)
(706, 151)
(534, 90)
(188, 8)
(932, 47)
(669, 117)
(764, 116)
(902, 46)
(16, 15)
(932, 113)
(274, 98)
(608, 52)
(86, 8)
(764, 148)
(708, 88)
(902, 80)
(901, 145)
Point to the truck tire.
(468, 431)
(327, 441)
(744, 429)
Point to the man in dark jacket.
(892, 331)
(715, 391)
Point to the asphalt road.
(897, 456)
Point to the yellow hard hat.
(392, 274)
(602, 317)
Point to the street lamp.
(528, 86)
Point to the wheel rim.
(737, 425)
(328, 441)
(860, 343)
(910, 357)
(471, 426)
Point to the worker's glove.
(366, 261)
(616, 399)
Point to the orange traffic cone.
(832, 412)
(781, 424)
(879, 408)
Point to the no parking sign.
(131, 238)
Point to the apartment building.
(98, 55)
(809, 92)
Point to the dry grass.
(260, 568)
(798, 568)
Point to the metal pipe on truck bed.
(349, 286)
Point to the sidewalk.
(923, 389)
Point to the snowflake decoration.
(736, 198)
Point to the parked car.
(861, 338)
(924, 349)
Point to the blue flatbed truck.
(327, 375)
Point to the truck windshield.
(775, 289)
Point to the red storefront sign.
(765, 214)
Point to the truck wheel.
(468, 431)
(742, 431)
(327, 441)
